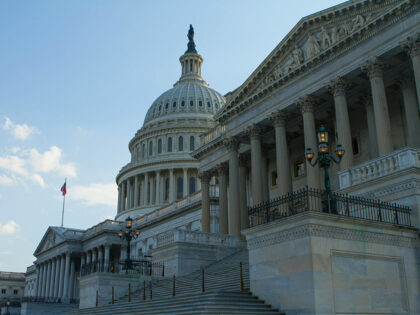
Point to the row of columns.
(96, 259)
(56, 277)
(146, 189)
(379, 128)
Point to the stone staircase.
(222, 295)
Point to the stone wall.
(316, 263)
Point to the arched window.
(192, 185)
(180, 143)
(169, 144)
(179, 188)
(192, 143)
(150, 148)
(167, 189)
(160, 146)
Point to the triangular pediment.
(314, 39)
(50, 239)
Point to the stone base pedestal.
(103, 283)
(183, 252)
(45, 308)
(316, 263)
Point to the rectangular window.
(355, 146)
(273, 178)
(15, 292)
(299, 168)
(3, 291)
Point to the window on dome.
(183, 103)
(160, 107)
(169, 144)
(192, 143)
(191, 103)
(166, 105)
(216, 105)
(179, 188)
(200, 103)
(150, 148)
(208, 104)
(174, 104)
(192, 185)
(180, 143)
(160, 146)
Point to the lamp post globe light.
(128, 234)
(7, 307)
(325, 159)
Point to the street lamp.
(7, 307)
(128, 234)
(325, 159)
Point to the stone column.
(82, 263)
(123, 195)
(205, 201)
(234, 213)
(41, 281)
(66, 276)
(158, 197)
(38, 273)
(264, 174)
(95, 259)
(52, 280)
(185, 183)
(223, 203)
(337, 88)
(72, 278)
(374, 69)
(412, 46)
(142, 192)
(57, 275)
(366, 100)
(101, 259)
(284, 178)
(198, 184)
(411, 110)
(243, 208)
(62, 270)
(129, 195)
(306, 106)
(119, 199)
(136, 191)
(106, 260)
(146, 189)
(152, 190)
(257, 180)
(48, 279)
(172, 187)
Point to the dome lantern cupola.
(191, 62)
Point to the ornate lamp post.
(128, 234)
(7, 307)
(325, 159)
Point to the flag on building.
(64, 189)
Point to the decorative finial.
(191, 44)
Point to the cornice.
(251, 91)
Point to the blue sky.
(76, 79)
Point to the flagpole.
(64, 203)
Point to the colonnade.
(95, 259)
(232, 172)
(154, 188)
(56, 277)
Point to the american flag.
(64, 189)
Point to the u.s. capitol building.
(300, 187)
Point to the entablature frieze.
(313, 37)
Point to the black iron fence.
(41, 299)
(308, 199)
(135, 266)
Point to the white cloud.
(95, 194)
(21, 132)
(10, 227)
(31, 164)
(6, 180)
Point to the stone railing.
(214, 133)
(104, 225)
(384, 165)
(213, 191)
(197, 237)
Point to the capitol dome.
(162, 170)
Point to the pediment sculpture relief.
(315, 44)
(50, 241)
